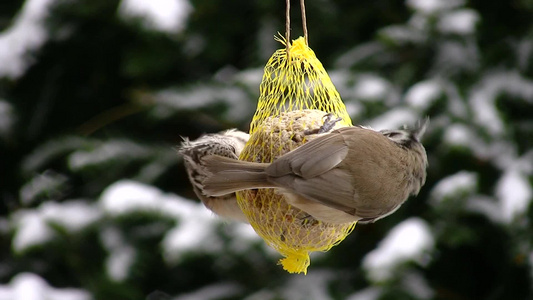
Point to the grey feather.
(229, 175)
(312, 159)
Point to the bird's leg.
(308, 220)
(328, 124)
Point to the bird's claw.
(328, 123)
(326, 126)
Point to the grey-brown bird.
(349, 174)
(227, 144)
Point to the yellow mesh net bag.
(295, 95)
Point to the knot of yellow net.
(295, 95)
(296, 262)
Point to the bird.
(228, 144)
(349, 174)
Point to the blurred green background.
(95, 95)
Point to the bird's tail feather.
(228, 175)
(420, 128)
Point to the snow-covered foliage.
(408, 241)
(25, 35)
(28, 286)
(165, 15)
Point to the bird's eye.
(393, 134)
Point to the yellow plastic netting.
(295, 95)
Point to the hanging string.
(288, 23)
(287, 26)
(304, 21)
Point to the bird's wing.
(311, 159)
(341, 198)
(301, 172)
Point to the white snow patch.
(404, 34)
(243, 236)
(354, 109)
(119, 262)
(32, 225)
(226, 74)
(195, 232)
(53, 149)
(514, 192)
(106, 152)
(394, 119)
(432, 6)
(371, 87)
(502, 153)
(450, 186)
(111, 238)
(28, 33)
(153, 170)
(423, 94)
(525, 162)
(456, 104)
(455, 56)
(73, 216)
(194, 45)
(28, 286)
(340, 79)
(462, 21)
(409, 240)
(250, 78)
(486, 206)
(31, 230)
(420, 23)
(125, 197)
(459, 135)
(47, 183)
(121, 255)
(417, 285)
(370, 293)
(165, 15)
(235, 98)
(312, 286)
(196, 224)
(483, 97)
(245, 232)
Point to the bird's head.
(408, 136)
